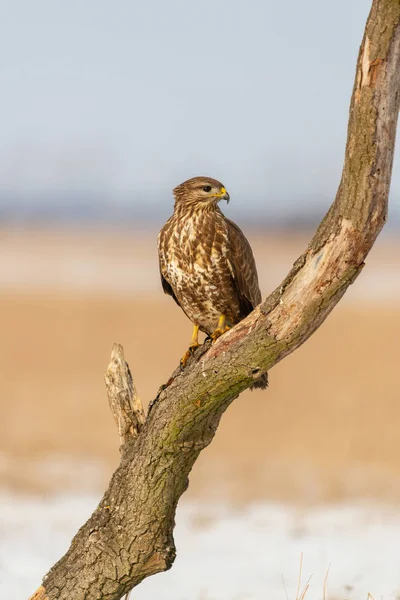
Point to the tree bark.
(129, 536)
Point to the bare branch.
(129, 536)
(40, 594)
(123, 398)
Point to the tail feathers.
(260, 383)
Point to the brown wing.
(162, 243)
(243, 268)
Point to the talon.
(193, 346)
(218, 332)
(189, 352)
(221, 329)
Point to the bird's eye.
(207, 188)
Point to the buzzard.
(206, 263)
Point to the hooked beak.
(223, 195)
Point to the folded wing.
(243, 269)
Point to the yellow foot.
(189, 352)
(218, 332)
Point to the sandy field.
(327, 428)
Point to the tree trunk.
(129, 536)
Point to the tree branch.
(129, 536)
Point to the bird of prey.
(206, 263)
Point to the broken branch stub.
(123, 398)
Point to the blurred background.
(104, 109)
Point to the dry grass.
(326, 429)
(301, 591)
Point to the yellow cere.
(223, 191)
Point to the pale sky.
(126, 99)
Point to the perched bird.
(206, 263)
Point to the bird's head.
(200, 192)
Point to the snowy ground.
(223, 554)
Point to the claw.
(218, 332)
(221, 329)
(193, 346)
(189, 352)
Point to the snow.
(222, 553)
